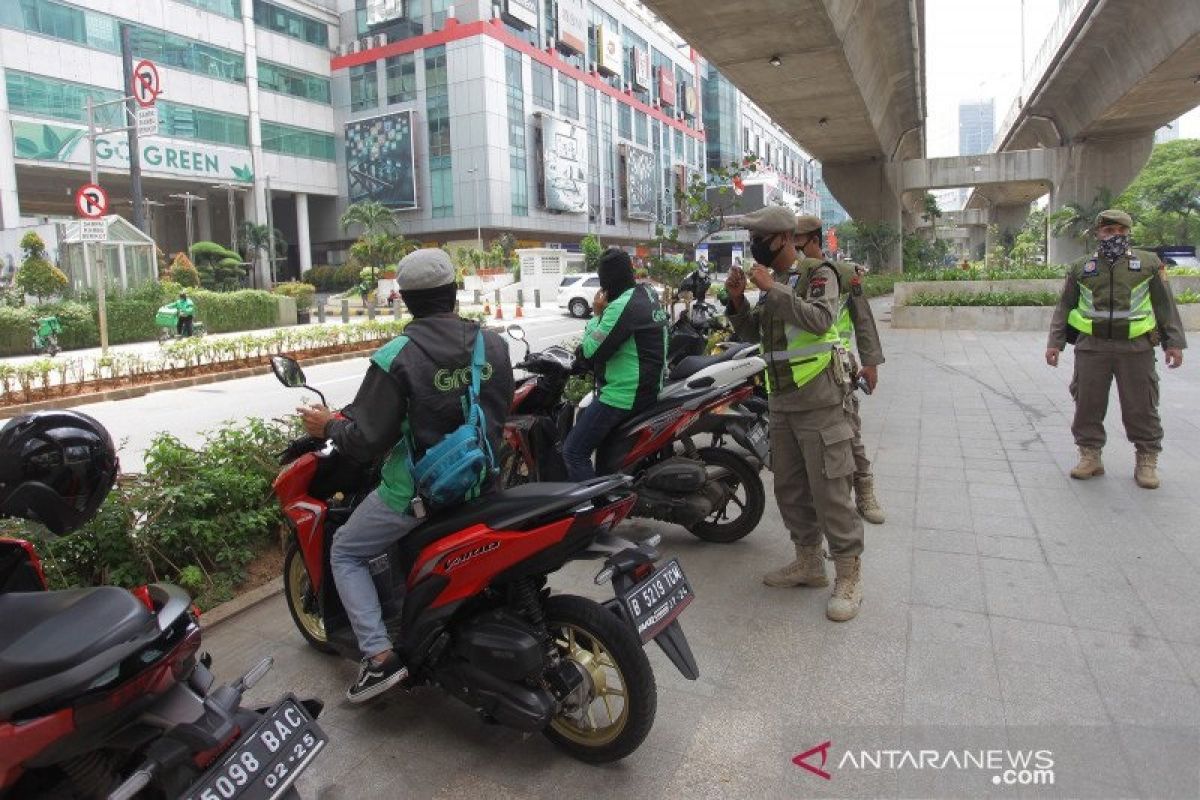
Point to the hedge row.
(131, 316)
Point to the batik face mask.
(1114, 247)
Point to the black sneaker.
(375, 679)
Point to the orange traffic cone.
(499, 312)
(519, 313)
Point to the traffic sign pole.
(98, 260)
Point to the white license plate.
(264, 762)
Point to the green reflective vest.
(807, 354)
(1114, 302)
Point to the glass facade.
(289, 23)
(437, 105)
(721, 121)
(39, 96)
(302, 142)
(624, 120)
(400, 73)
(593, 157)
(607, 159)
(568, 96)
(518, 161)
(226, 8)
(274, 77)
(364, 87)
(641, 128)
(543, 85)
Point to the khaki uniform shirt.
(1166, 313)
(810, 305)
(866, 334)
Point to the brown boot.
(847, 589)
(1089, 465)
(865, 501)
(807, 570)
(1146, 471)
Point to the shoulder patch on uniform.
(1135, 265)
(856, 286)
(386, 355)
(1090, 267)
(816, 286)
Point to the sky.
(973, 52)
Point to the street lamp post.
(475, 184)
(188, 198)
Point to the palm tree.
(1077, 220)
(932, 212)
(255, 239)
(373, 216)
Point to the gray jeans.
(369, 532)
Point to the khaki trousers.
(1137, 389)
(862, 464)
(812, 459)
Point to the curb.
(244, 602)
(176, 383)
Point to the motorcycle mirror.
(516, 332)
(288, 371)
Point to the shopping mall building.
(547, 119)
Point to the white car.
(575, 293)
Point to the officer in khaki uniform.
(808, 381)
(1116, 306)
(855, 319)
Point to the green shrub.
(985, 299)
(184, 275)
(303, 293)
(1187, 297)
(37, 276)
(242, 310)
(196, 515)
(220, 268)
(977, 272)
(78, 324)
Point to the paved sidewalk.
(1007, 607)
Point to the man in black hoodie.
(411, 397)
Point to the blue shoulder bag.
(455, 469)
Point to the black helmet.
(56, 468)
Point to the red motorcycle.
(714, 492)
(102, 690)
(465, 599)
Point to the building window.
(438, 9)
(189, 122)
(641, 128)
(289, 23)
(607, 155)
(437, 107)
(292, 141)
(543, 85)
(274, 77)
(39, 96)
(624, 120)
(678, 145)
(401, 75)
(396, 30)
(568, 96)
(226, 8)
(364, 87)
(518, 162)
(170, 50)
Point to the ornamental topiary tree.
(220, 268)
(37, 276)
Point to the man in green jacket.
(1116, 306)
(187, 311)
(626, 343)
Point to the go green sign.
(39, 141)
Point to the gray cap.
(428, 268)
(807, 223)
(1114, 216)
(770, 220)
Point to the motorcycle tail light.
(642, 571)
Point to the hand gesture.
(870, 375)
(761, 277)
(599, 302)
(735, 283)
(315, 419)
(1052, 356)
(1174, 357)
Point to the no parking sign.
(146, 84)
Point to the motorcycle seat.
(690, 365)
(46, 633)
(499, 510)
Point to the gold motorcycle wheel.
(611, 712)
(298, 591)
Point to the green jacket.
(185, 306)
(627, 345)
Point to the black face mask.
(760, 248)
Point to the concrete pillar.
(1087, 170)
(976, 242)
(867, 190)
(204, 222)
(303, 240)
(1008, 219)
(10, 209)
